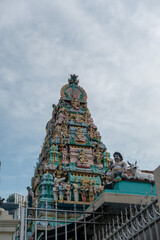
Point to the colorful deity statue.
(60, 118)
(76, 191)
(65, 130)
(55, 191)
(86, 117)
(59, 175)
(91, 192)
(82, 157)
(80, 134)
(54, 111)
(54, 152)
(30, 196)
(57, 131)
(64, 156)
(98, 137)
(67, 116)
(68, 191)
(83, 193)
(117, 169)
(91, 132)
(78, 118)
(75, 103)
(98, 156)
(61, 192)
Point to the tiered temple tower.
(73, 159)
(74, 168)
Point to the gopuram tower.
(77, 187)
(73, 159)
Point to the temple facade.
(73, 159)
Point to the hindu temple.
(73, 159)
(74, 166)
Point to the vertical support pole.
(36, 222)
(56, 222)
(144, 233)
(65, 225)
(46, 223)
(94, 227)
(75, 222)
(155, 224)
(138, 228)
(84, 216)
(157, 233)
(149, 220)
(26, 217)
(22, 223)
(150, 233)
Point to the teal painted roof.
(135, 188)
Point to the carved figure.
(80, 134)
(83, 193)
(59, 179)
(117, 169)
(78, 118)
(138, 174)
(75, 103)
(75, 191)
(30, 196)
(98, 135)
(82, 157)
(61, 194)
(91, 132)
(68, 191)
(91, 192)
(54, 111)
(55, 191)
(64, 154)
(57, 131)
(54, 152)
(98, 154)
(51, 166)
(37, 180)
(67, 116)
(65, 130)
(60, 118)
(86, 116)
(58, 174)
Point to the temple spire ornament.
(73, 79)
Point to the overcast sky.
(114, 47)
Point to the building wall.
(157, 182)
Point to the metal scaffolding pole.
(75, 222)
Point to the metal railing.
(136, 222)
(65, 223)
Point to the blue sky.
(114, 47)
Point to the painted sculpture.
(136, 173)
(117, 168)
